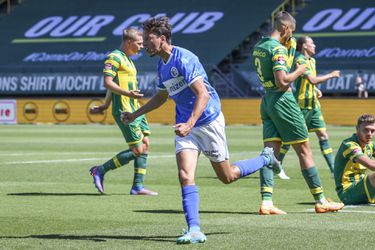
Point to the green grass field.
(48, 201)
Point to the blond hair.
(130, 34)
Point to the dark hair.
(365, 118)
(160, 26)
(300, 41)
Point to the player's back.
(269, 55)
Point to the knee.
(185, 178)
(227, 179)
(137, 151)
(323, 136)
(305, 153)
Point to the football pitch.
(48, 201)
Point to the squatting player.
(121, 81)
(307, 99)
(200, 125)
(281, 116)
(354, 157)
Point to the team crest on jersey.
(174, 72)
(108, 66)
(281, 60)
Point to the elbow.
(282, 84)
(314, 82)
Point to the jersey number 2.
(259, 69)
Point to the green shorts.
(282, 119)
(314, 119)
(361, 193)
(135, 131)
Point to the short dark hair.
(300, 41)
(160, 26)
(365, 118)
(282, 18)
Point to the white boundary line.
(96, 159)
(72, 160)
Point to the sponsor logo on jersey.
(175, 85)
(281, 60)
(108, 66)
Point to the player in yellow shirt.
(306, 95)
(120, 78)
(354, 157)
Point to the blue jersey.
(182, 69)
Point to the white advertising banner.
(8, 111)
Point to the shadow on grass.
(102, 238)
(55, 194)
(214, 177)
(171, 211)
(306, 203)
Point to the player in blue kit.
(200, 125)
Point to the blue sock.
(190, 204)
(250, 166)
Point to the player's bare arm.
(284, 80)
(155, 102)
(320, 79)
(111, 85)
(200, 91)
(104, 106)
(367, 162)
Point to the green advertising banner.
(343, 31)
(75, 36)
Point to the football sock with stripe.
(313, 181)
(119, 160)
(140, 165)
(266, 183)
(190, 204)
(327, 152)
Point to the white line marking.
(72, 160)
(97, 159)
(54, 153)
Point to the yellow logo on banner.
(95, 117)
(61, 111)
(30, 111)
